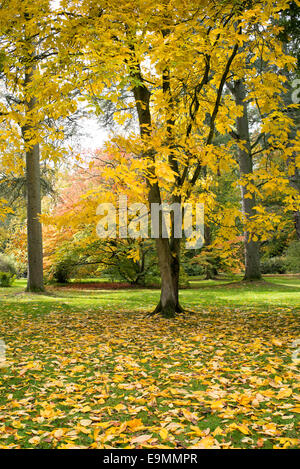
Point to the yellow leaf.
(242, 428)
(218, 431)
(119, 407)
(277, 342)
(205, 443)
(191, 417)
(141, 439)
(197, 430)
(296, 409)
(85, 422)
(58, 433)
(34, 440)
(86, 408)
(78, 368)
(135, 425)
(163, 434)
(284, 392)
(217, 404)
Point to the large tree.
(242, 135)
(33, 100)
(175, 59)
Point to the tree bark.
(33, 189)
(294, 180)
(210, 271)
(252, 256)
(168, 251)
(292, 169)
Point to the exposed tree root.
(169, 311)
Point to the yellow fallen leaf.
(163, 434)
(217, 405)
(34, 440)
(119, 407)
(277, 342)
(17, 424)
(284, 392)
(58, 433)
(86, 408)
(197, 337)
(141, 439)
(205, 443)
(85, 422)
(135, 425)
(296, 409)
(244, 400)
(242, 428)
(78, 368)
(49, 413)
(197, 430)
(218, 431)
(191, 417)
(270, 429)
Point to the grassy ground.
(87, 369)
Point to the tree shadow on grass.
(247, 285)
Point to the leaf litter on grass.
(220, 378)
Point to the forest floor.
(88, 369)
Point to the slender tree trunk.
(169, 249)
(210, 271)
(33, 189)
(297, 223)
(168, 253)
(168, 304)
(34, 228)
(294, 180)
(292, 169)
(252, 257)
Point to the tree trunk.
(294, 181)
(34, 227)
(168, 304)
(297, 224)
(168, 253)
(33, 190)
(292, 113)
(210, 271)
(252, 257)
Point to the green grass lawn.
(274, 291)
(88, 369)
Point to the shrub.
(183, 279)
(61, 272)
(7, 264)
(153, 279)
(274, 265)
(293, 257)
(193, 268)
(7, 279)
(7, 271)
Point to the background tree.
(33, 102)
